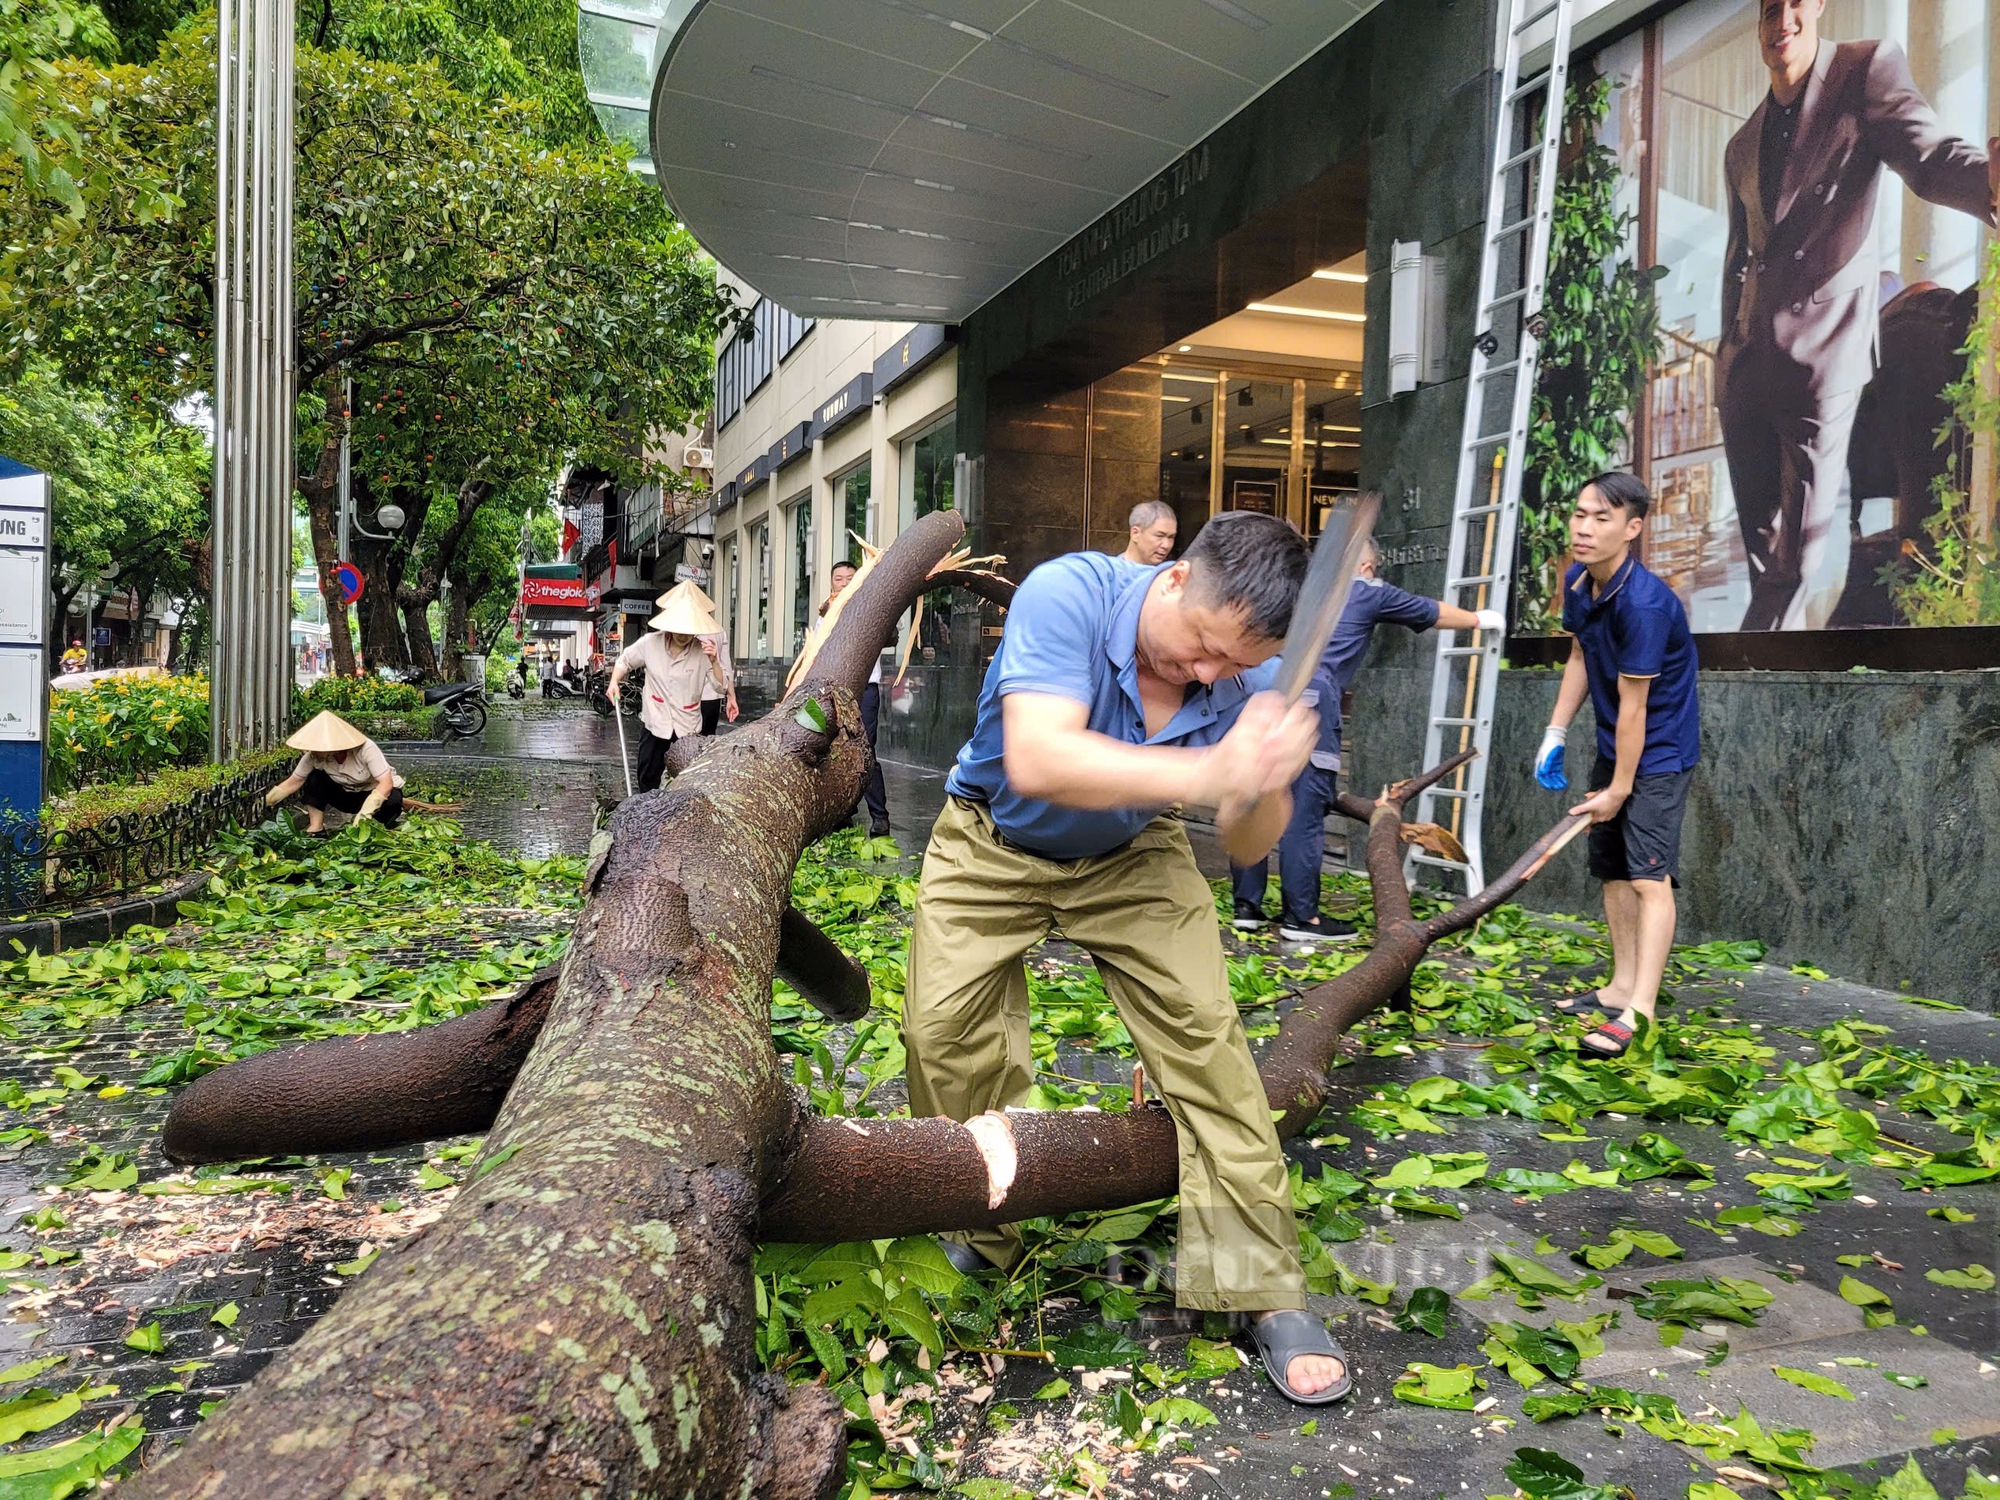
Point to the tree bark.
(581, 1318)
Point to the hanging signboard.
(1816, 434)
(24, 604)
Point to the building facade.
(1148, 253)
(828, 433)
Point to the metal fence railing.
(46, 867)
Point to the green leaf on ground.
(146, 1338)
(35, 1410)
(1622, 1243)
(1861, 1294)
(1096, 1346)
(1210, 1359)
(1429, 1308)
(226, 1315)
(28, 1369)
(1974, 1278)
(1690, 1304)
(1542, 1475)
(1806, 1380)
(1455, 1389)
(1055, 1390)
(1907, 1382)
(67, 1468)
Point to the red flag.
(569, 535)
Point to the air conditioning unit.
(698, 458)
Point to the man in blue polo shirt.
(1302, 850)
(1634, 655)
(1114, 699)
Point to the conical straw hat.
(686, 589)
(682, 615)
(327, 733)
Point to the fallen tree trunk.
(363, 1093)
(580, 1321)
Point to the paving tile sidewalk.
(282, 1258)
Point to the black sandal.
(1615, 1032)
(1283, 1337)
(1567, 1003)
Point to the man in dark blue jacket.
(1303, 847)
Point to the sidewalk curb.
(100, 924)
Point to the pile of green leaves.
(370, 929)
(123, 728)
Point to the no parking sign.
(350, 580)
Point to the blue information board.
(25, 520)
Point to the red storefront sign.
(557, 593)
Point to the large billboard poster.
(1814, 178)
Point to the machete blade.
(1335, 560)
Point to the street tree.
(499, 304)
(130, 492)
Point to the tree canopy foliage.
(130, 492)
(504, 295)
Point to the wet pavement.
(229, 1274)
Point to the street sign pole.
(25, 519)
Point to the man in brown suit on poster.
(1799, 286)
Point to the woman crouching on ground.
(340, 767)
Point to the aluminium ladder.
(1486, 502)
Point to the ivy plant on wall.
(1603, 335)
(1956, 579)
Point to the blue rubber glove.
(1549, 759)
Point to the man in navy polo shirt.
(1634, 655)
(1113, 700)
(1302, 850)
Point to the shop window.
(928, 458)
(733, 597)
(854, 503)
(800, 514)
(761, 640)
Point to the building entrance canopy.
(908, 159)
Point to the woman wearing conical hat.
(340, 767)
(678, 661)
(717, 698)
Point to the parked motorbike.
(461, 710)
(600, 695)
(562, 687)
(516, 688)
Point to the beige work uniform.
(1146, 916)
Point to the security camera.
(707, 552)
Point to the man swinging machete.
(1115, 698)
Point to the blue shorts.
(1644, 841)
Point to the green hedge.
(122, 729)
(93, 804)
(345, 695)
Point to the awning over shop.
(908, 159)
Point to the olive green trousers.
(1147, 918)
